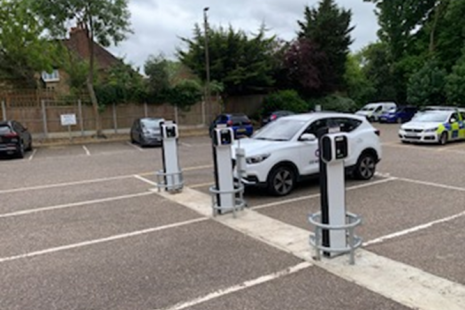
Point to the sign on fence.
(68, 119)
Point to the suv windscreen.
(279, 130)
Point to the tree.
(24, 51)
(243, 65)
(376, 67)
(328, 27)
(426, 87)
(455, 83)
(185, 94)
(157, 70)
(358, 86)
(304, 65)
(105, 21)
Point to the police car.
(431, 125)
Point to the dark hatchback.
(15, 139)
(146, 131)
(272, 116)
(239, 122)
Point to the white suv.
(286, 151)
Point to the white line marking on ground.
(186, 144)
(277, 203)
(197, 168)
(135, 146)
(400, 282)
(240, 287)
(145, 180)
(413, 229)
(32, 155)
(201, 185)
(22, 189)
(102, 240)
(86, 150)
(75, 204)
(462, 189)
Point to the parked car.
(272, 116)
(286, 151)
(146, 131)
(14, 138)
(373, 111)
(434, 126)
(399, 115)
(240, 123)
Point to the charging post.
(170, 178)
(334, 226)
(224, 191)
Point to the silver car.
(146, 131)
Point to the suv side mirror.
(308, 137)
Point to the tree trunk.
(437, 12)
(90, 84)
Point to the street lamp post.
(207, 62)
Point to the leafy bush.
(284, 100)
(335, 103)
(185, 94)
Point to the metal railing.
(239, 202)
(176, 184)
(353, 242)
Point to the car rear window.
(240, 120)
(4, 129)
(151, 123)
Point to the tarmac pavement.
(83, 227)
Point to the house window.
(54, 76)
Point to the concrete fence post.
(81, 120)
(204, 117)
(115, 118)
(146, 112)
(44, 118)
(176, 114)
(4, 110)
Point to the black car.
(146, 131)
(272, 116)
(14, 138)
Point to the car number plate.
(241, 130)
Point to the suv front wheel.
(366, 166)
(281, 180)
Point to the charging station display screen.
(341, 147)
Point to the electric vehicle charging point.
(334, 226)
(170, 178)
(226, 195)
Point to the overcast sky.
(158, 24)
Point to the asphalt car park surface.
(82, 227)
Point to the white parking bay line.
(102, 240)
(240, 287)
(455, 188)
(286, 201)
(75, 204)
(413, 229)
(33, 153)
(39, 187)
(134, 146)
(86, 150)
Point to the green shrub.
(284, 100)
(334, 103)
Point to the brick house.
(78, 45)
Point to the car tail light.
(229, 123)
(11, 135)
(273, 117)
(377, 132)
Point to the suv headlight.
(431, 129)
(256, 159)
